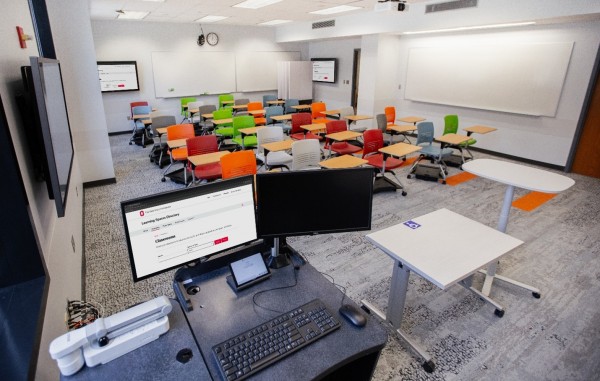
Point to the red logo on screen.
(221, 240)
(121, 85)
(141, 213)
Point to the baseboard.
(120, 133)
(97, 183)
(517, 158)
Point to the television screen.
(170, 229)
(324, 70)
(316, 201)
(45, 111)
(118, 76)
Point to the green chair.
(184, 102)
(247, 141)
(223, 131)
(225, 97)
(451, 127)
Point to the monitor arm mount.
(108, 338)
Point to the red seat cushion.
(309, 135)
(344, 148)
(208, 171)
(390, 163)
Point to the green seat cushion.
(224, 131)
(249, 141)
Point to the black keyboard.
(247, 353)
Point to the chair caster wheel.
(536, 295)
(444, 182)
(408, 176)
(404, 193)
(499, 313)
(429, 366)
(163, 179)
(129, 143)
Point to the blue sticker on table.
(412, 224)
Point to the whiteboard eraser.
(171, 89)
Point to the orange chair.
(200, 145)
(239, 163)
(316, 109)
(176, 132)
(297, 132)
(259, 119)
(390, 114)
(341, 148)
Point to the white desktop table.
(442, 247)
(514, 175)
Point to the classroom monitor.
(118, 76)
(167, 230)
(324, 70)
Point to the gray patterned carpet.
(556, 337)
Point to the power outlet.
(128, 117)
(73, 243)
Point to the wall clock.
(212, 39)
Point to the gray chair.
(241, 102)
(273, 111)
(278, 159)
(268, 97)
(429, 151)
(382, 126)
(288, 106)
(206, 124)
(159, 149)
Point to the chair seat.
(208, 171)
(436, 151)
(275, 158)
(321, 120)
(179, 153)
(249, 141)
(224, 131)
(344, 148)
(469, 142)
(390, 163)
(309, 135)
(260, 121)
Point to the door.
(355, 76)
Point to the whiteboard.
(180, 74)
(517, 78)
(257, 71)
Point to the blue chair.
(288, 105)
(432, 152)
(141, 125)
(267, 98)
(273, 111)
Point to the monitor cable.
(255, 296)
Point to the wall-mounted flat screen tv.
(324, 70)
(118, 76)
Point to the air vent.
(323, 24)
(451, 5)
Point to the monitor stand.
(280, 254)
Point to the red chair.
(341, 148)
(373, 141)
(200, 145)
(176, 132)
(390, 114)
(298, 133)
(259, 119)
(316, 111)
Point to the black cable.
(339, 286)
(296, 268)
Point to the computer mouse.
(353, 315)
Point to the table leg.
(396, 300)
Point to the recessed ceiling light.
(132, 15)
(471, 28)
(255, 4)
(211, 18)
(338, 9)
(275, 22)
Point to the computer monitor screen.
(167, 230)
(311, 202)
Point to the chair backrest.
(254, 106)
(288, 105)
(141, 110)
(316, 109)
(336, 126)
(271, 111)
(134, 104)
(268, 97)
(238, 163)
(207, 109)
(300, 119)
(163, 121)
(381, 122)
(185, 101)
(425, 133)
(180, 131)
(194, 105)
(450, 124)
(268, 135)
(241, 101)
(345, 111)
(390, 114)
(225, 97)
(242, 121)
(372, 142)
(305, 154)
(224, 113)
(199, 145)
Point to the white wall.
(129, 40)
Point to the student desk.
(344, 161)
(155, 360)
(282, 145)
(399, 150)
(276, 102)
(442, 247)
(342, 136)
(453, 140)
(281, 118)
(219, 313)
(520, 176)
(176, 143)
(411, 119)
(256, 112)
(301, 107)
(217, 122)
(395, 129)
(478, 129)
(248, 131)
(207, 158)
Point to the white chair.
(195, 117)
(306, 154)
(277, 159)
